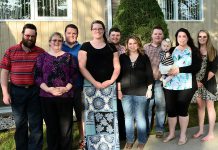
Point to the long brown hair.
(138, 41)
(211, 51)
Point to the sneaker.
(159, 134)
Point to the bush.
(138, 18)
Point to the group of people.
(108, 84)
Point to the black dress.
(209, 90)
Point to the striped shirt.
(166, 60)
(154, 56)
(20, 64)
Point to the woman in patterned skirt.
(99, 64)
(206, 80)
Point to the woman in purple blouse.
(55, 74)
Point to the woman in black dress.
(206, 80)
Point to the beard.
(28, 43)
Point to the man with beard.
(23, 95)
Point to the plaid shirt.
(121, 49)
(154, 56)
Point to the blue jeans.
(134, 109)
(26, 109)
(160, 110)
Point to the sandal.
(140, 146)
(128, 145)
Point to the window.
(35, 9)
(182, 9)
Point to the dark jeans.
(78, 105)
(26, 109)
(57, 114)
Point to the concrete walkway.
(192, 144)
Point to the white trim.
(68, 18)
(175, 5)
(34, 14)
(109, 14)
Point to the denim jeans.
(26, 109)
(134, 108)
(160, 110)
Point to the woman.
(207, 86)
(134, 88)
(99, 64)
(180, 89)
(55, 74)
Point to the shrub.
(138, 18)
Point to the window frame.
(201, 9)
(34, 14)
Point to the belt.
(23, 86)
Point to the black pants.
(57, 114)
(121, 121)
(26, 109)
(177, 101)
(78, 104)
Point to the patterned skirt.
(204, 94)
(101, 124)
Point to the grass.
(7, 141)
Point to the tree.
(138, 18)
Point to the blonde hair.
(56, 34)
(211, 51)
(167, 40)
(138, 41)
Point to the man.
(114, 37)
(18, 63)
(72, 46)
(153, 51)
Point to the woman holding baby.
(180, 89)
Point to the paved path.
(192, 144)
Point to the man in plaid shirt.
(153, 51)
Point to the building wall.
(83, 13)
(210, 21)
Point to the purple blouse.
(55, 72)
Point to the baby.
(166, 61)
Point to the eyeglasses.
(28, 36)
(97, 29)
(202, 37)
(55, 40)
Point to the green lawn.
(7, 142)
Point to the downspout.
(109, 10)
